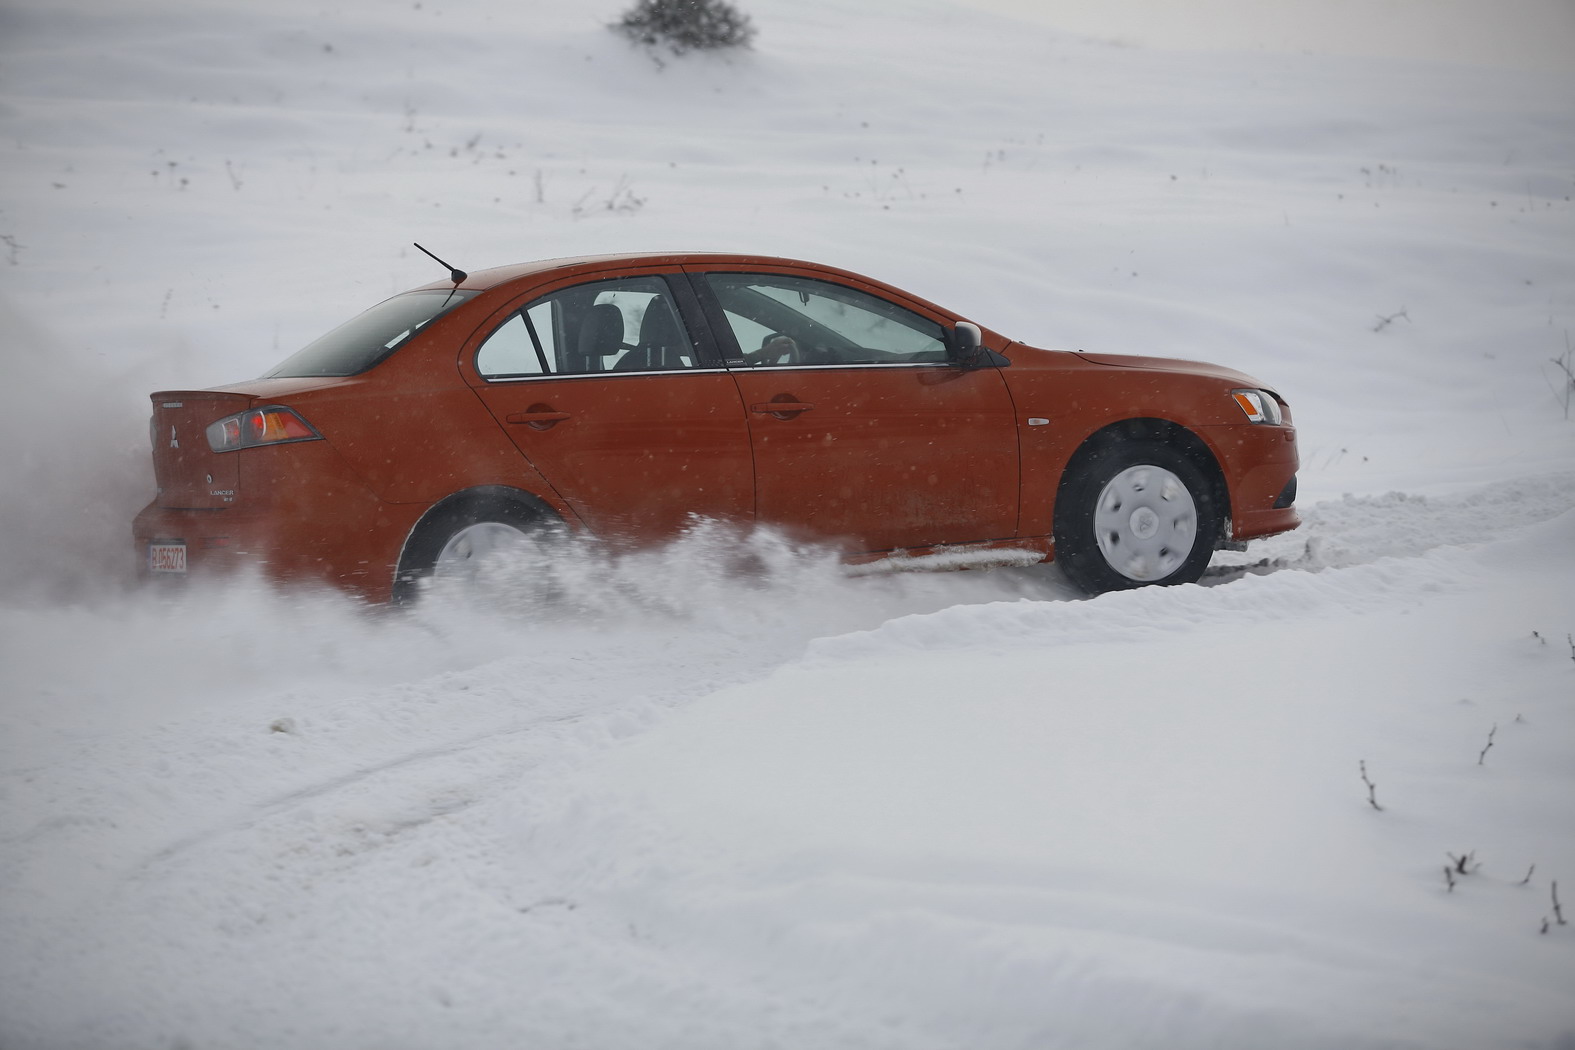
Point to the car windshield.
(363, 341)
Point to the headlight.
(1260, 406)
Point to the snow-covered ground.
(684, 805)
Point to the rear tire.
(453, 540)
(1135, 514)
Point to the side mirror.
(966, 342)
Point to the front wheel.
(1135, 513)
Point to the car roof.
(492, 277)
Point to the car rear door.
(861, 427)
(630, 416)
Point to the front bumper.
(1260, 464)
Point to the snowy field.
(689, 807)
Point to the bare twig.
(1564, 364)
(1558, 909)
(1384, 321)
(622, 199)
(1489, 746)
(1527, 879)
(1372, 789)
(1449, 877)
(1464, 864)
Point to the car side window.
(781, 320)
(510, 351)
(626, 324)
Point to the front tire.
(1133, 514)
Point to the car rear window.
(364, 340)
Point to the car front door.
(635, 424)
(862, 427)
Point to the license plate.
(166, 557)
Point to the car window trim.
(716, 320)
(535, 340)
(632, 374)
(882, 366)
(692, 314)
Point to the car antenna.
(455, 274)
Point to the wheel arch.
(1179, 437)
(490, 495)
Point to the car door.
(861, 426)
(634, 422)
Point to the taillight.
(271, 425)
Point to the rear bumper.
(214, 540)
(294, 512)
(359, 552)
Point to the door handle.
(539, 417)
(781, 409)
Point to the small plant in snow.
(622, 199)
(1464, 864)
(1482, 756)
(1372, 789)
(1385, 320)
(1566, 364)
(1558, 911)
(686, 25)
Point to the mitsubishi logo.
(174, 441)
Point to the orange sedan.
(624, 395)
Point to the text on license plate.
(166, 557)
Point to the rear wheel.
(1135, 513)
(455, 540)
(464, 552)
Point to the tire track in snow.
(281, 805)
(1360, 530)
(1349, 555)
